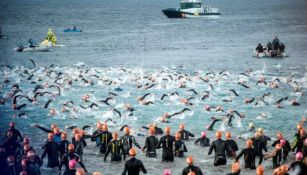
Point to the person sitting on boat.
(259, 48)
(282, 47)
(275, 43)
(32, 43)
(74, 28)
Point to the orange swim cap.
(152, 130)
(105, 127)
(228, 135)
(181, 126)
(191, 173)
(249, 143)
(218, 134)
(177, 136)
(132, 152)
(190, 160)
(115, 135)
(167, 130)
(127, 130)
(71, 147)
(278, 146)
(260, 170)
(235, 167)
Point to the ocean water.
(136, 36)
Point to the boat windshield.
(188, 5)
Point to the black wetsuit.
(193, 168)
(11, 146)
(151, 143)
(258, 147)
(204, 141)
(158, 130)
(79, 148)
(249, 157)
(277, 159)
(185, 134)
(116, 148)
(179, 148)
(275, 44)
(220, 147)
(64, 147)
(237, 173)
(65, 161)
(105, 138)
(299, 143)
(265, 139)
(285, 149)
(133, 167)
(127, 141)
(10, 170)
(297, 167)
(259, 48)
(167, 145)
(33, 166)
(96, 139)
(16, 134)
(52, 149)
(234, 147)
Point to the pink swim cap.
(72, 164)
(282, 142)
(203, 134)
(299, 156)
(167, 172)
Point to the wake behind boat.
(191, 9)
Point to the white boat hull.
(267, 55)
(39, 48)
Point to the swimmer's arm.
(198, 140)
(44, 129)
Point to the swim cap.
(167, 172)
(177, 136)
(282, 142)
(127, 130)
(249, 143)
(80, 171)
(279, 135)
(299, 126)
(191, 173)
(114, 135)
(72, 164)
(228, 135)
(167, 130)
(96, 173)
(132, 152)
(260, 170)
(181, 126)
(235, 167)
(152, 130)
(105, 127)
(284, 168)
(71, 147)
(203, 134)
(12, 124)
(218, 134)
(260, 130)
(299, 156)
(250, 125)
(190, 160)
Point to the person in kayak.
(220, 147)
(166, 142)
(151, 143)
(133, 166)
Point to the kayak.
(39, 48)
(70, 30)
(267, 55)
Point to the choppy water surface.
(126, 42)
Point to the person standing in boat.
(275, 43)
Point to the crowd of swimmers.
(272, 49)
(18, 157)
